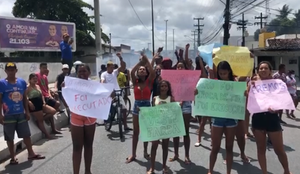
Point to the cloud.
(120, 20)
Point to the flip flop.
(130, 159)
(187, 161)
(173, 159)
(36, 157)
(13, 161)
(246, 160)
(197, 144)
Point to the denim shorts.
(186, 107)
(224, 122)
(140, 103)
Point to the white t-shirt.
(111, 78)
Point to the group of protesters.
(150, 90)
(146, 77)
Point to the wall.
(24, 69)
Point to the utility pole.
(199, 29)
(194, 34)
(152, 14)
(261, 17)
(110, 43)
(242, 25)
(226, 23)
(173, 40)
(98, 34)
(166, 46)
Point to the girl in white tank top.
(164, 96)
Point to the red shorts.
(81, 121)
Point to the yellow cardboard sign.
(238, 57)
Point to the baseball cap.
(66, 35)
(77, 63)
(65, 66)
(10, 65)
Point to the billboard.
(18, 34)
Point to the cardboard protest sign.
(87, 98)
(161, 122)
(238, 57)
(267, 94)
(222, 99)
(206, 52)
(183, 83)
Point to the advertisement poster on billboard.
(18, 34)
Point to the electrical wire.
(216, 35)
(140, 19)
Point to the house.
(283, 49)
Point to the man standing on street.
(66, 51)
(280, 74)
(14, 112)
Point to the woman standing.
(142, 76)
(292, 88)
(268, 123)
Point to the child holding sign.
(82, 131)
(164, 96)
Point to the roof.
(283, 44)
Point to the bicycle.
(127, 101)
(115, 109)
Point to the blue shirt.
(12, 96)
(66, 51)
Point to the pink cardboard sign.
(183, 83)
(267, 94)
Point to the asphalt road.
(110, 153)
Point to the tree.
(256, 34)
(282, 24)
(61, 10)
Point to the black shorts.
(266, 121)
(50, 102)
(37, 103)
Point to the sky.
(134, 29)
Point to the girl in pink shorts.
(82, 131)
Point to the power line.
(242, 25)
(140, 18)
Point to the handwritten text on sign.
(238, 57)
(87, 98)
(267, 94)
(161, 122)
(218, 98)
(183, 83)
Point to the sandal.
(245, 160)
(197, 144)
(13, 161)
(187, 161)
(175, 158)
(36, 157)
(130, 159)
(150, 172)
(165, 170)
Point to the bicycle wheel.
(109, 122)
(120, 123)
(128, 105)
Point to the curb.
(60, 120)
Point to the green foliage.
(283, 24)
(61, 10)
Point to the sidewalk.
(60, 120)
